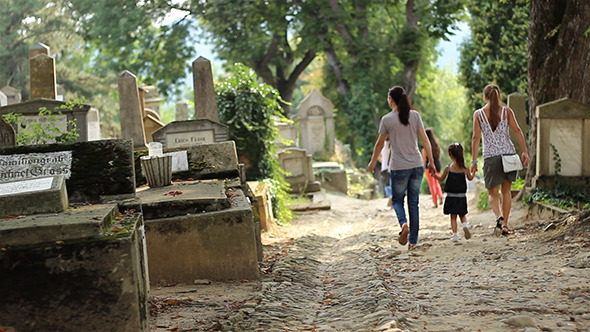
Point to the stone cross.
(181, 111)
(43, 81)
(13, 95)
(130, 112)
(205, 98)
(7, 134)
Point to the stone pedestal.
(158, 170)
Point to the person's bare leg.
(506, 200)
(454, 223)
(494, 197)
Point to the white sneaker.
(455, 238)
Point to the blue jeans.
(407, 181)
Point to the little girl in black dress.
(455, 187)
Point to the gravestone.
(565, 125)
(42, 75)
(33, 196)
(3, 99)
(130, 110)
(191, 132)
(7, 134)
(181, 111)
(298, 165)
(30, 113)
(93, 125)
(204, 91)
(517, 102)
(152, 99)
(315, 115)
(13, 95)
(37, 49)
(94, 171)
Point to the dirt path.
(343, 270)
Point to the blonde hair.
(492, 93)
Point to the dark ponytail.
(492, 93)
(401, 99)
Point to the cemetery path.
(343, 270)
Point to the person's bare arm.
(428, 148)
(443, 175)
(376, 152)
(519, 136)
(470, 175)
(475, 138)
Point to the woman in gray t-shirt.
(403, 126)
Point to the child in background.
(456, 187)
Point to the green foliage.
(46, 131)
(483, 202)
(248, 108)
(518, 184)
(563, 196)
(497, 51)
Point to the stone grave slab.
(40, 195)
(80, 270)
(315, 115)
(13, 95)
(81, 222)
(94, 171)
(3, 99)
(190, 132)
(182, 198)
(298, 164)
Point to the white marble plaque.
(294, 166)
(566, 136)
(179, 160)
(35, 165)
(189, 138)
(19, 187)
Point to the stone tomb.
(564, 124)
(298, 164)
(190, 132)
(30, 113)
(7, 134)
(83, 269)
(40, 195)
(315, 115)
(3, 99)
(204, 230)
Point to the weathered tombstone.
(94, 171)
(7, 134)
(565, 125)
(3, 99)
(93, 125)
(60, 92)
(84, 268)
(30, 113)
(13, 95)
(315, 115)
(152, 99)
(190, 132)
(517, 102)
(181, 111)
(37, 49)
(43, 81)
(33, 196)
(204, 91)
(298, 164)
(130, 110)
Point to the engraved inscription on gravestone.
(21, 187)
(190, 138)
(35, 165)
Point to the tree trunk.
(559, 59)
(410, 66)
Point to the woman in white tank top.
(492, 124)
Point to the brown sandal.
(403, 235)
